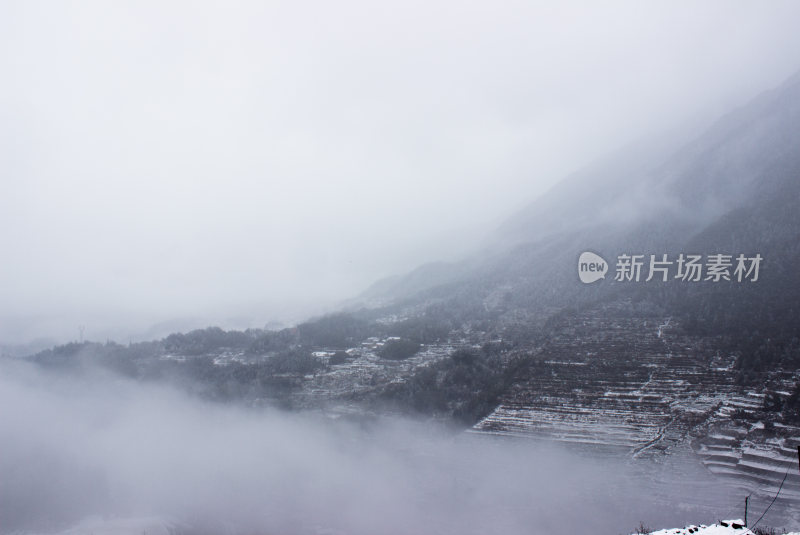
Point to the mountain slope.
(731, 190)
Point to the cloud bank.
(93, 445)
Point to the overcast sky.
(239, 162)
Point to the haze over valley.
(317, 269)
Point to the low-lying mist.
(80, 446)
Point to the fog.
(77, 447)
(242, 162)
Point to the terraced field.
(636, 384)
(615, 381)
